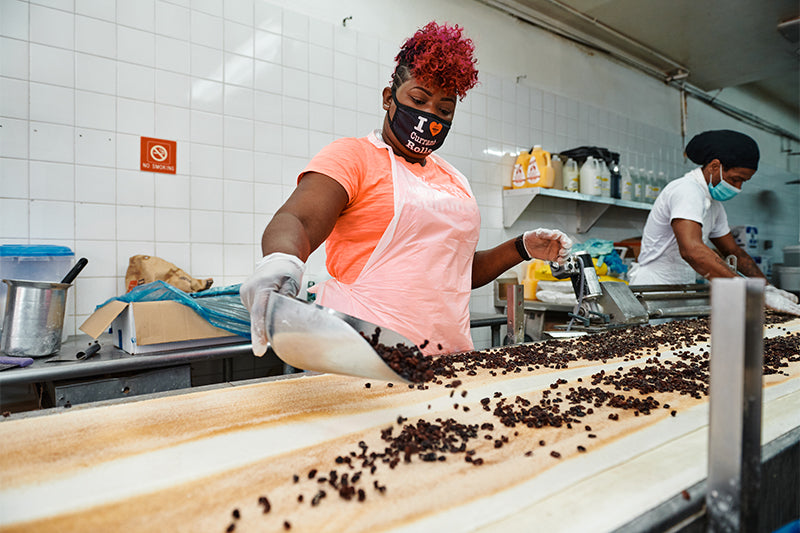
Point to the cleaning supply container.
(33, 262)
(540, 171)
(520, 167)
(34, 317)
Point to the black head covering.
(733, 149)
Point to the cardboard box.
(145, 327)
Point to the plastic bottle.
(605, 179)
(571, 176)
(644, 181)
(520, 167)
(590, 177)
(558, 171)
(637, 184)
(540, 171)
(625, 184)
(616, 178)
(652, 186)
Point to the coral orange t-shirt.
(365, 172)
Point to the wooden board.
(185, 462)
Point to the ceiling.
(720, 43)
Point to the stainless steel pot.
(34, 317)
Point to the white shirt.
(660, 260)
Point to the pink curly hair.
(437, 55)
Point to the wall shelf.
(589, 208)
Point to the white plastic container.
(590, 177)
(571, 176)
(605, 179)
(791, 255)
(625, 184)
(34, 262)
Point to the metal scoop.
(309, 336)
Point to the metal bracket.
(734, 444)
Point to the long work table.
(595, 433)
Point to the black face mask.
(418, 131)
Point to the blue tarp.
(220, 306)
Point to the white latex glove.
(275, 272)
(786, 294)
(778, 302)
(547, 244)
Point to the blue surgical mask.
(723, 190)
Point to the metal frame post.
(515, 313)
(734, 444)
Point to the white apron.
(418, 279)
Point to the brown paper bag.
(147, 268)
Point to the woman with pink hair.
(400, 224)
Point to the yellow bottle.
(520, 166)
(540, 171)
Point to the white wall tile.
(344, 94)
(95, 147)
(268, 198)
(268, 16)
(206, 193)
(51, 142)
(135, 188)
(134, 116)
(95, 222)
(102, 256)
(295, 25)
(238, 101)
(207, 260)
(206, 30)
(320, 60)
(173, 55)
(135, 81)
(14, 20)
(344, 40)
(95, 74)
(173, 89)
(51, 26)
(238, 261)
(238, 133)
(172, 225)
(95, 184)
(295, 112)
(320, 117)
(94, 110)
(52, 65)
(238, 164)
(320, 89)
(207, 96)
(128, 151)
(91, 292)
(52, 181)
(102, 9)
(14, 58)
(139, 14)
(206, 128)
(52, 103)
(172, 123)
(238, 38)
(14, 102)
(52, 220)
(173, 190)
(172, 20)
(268, 46)
(206, 226)
(136, 46)
(238, 197)
(94, 36)
(238, 228)
(135, 223)
(239, 10)
(177, 253)
(206, 160)
(238, 70)
(267, 107)
(320, 33)
(267, 137)
(14, 216)
(368, 73)
(13, 178)
(295, 83)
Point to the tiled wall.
(250, 90)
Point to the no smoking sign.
(158, 155)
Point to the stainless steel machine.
(607, 304)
